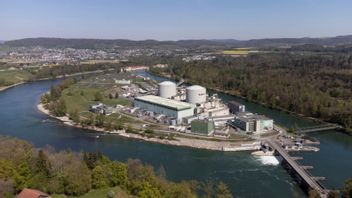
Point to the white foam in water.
(269, 160)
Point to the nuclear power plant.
(167, 89)
(196, 94)
(189, 107)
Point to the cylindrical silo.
(196, 94)
(167, 89)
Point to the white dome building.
(167, 89)
(196, 94)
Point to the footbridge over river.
(300, 173)
(323, 127)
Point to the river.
(247, 176)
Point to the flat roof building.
(168, 107)
(250, 122)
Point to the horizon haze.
(174, 20)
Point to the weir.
(299, 173)
(324, 127)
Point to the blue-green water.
(246, 175)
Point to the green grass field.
(12, 77)
(239, 51)
(77, 98)
(80, 98)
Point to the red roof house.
(31, 193)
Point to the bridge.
(300, 173)
(323, 127)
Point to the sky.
(174, 19)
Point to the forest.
(313, 84)
(68, 173)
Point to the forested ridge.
(314, 84)
(195, 43)
(75, 173)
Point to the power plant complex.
(190, 109)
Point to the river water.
(247, 176)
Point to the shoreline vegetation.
(176, 141)
(229, 93)
(65, 173)
(176, 74)
(69, 101)
(3, 88)
(17, 75)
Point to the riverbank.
(10, 86)
(20, 118)
(177, 141)
(229, 93)
(51, 78)
(72, 75)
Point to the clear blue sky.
(174, 19)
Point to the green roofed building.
(202, 127)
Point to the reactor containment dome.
(196, 94)
(167, 89)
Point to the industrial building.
(134, 68)
(101, 108)
(250, 122)
(123, 82)
(171, 108)
(202, 127)
(189, 107)
(236, 107)
(219, 111)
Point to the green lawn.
(75, 100)
(122, 118)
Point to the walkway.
(301, 171)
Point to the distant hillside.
(106, 43)
(338, 40)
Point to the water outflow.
(269, 160)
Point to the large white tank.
(196, 94)
(167, 89)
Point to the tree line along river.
(246, 175)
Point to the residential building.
(32, 193)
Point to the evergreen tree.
(222, 191)
(42, 163)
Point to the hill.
(114, 43)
